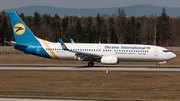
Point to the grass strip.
(91, 85)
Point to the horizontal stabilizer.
(14, 43)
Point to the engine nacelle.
(109, 60)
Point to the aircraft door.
(155, 52)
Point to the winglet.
(63, 45)
(72, 41)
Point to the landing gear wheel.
(158, 65)
(90, 64)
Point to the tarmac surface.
(86, 68)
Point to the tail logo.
(63, 47)
(19, 29)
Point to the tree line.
(115, 28)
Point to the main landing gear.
(91, 64)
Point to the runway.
(85, 68)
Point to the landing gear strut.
(91, 64)
(158, 64)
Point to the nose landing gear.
(158, 64)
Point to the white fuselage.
(124, 52)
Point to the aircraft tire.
(90, 64)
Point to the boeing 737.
(110, 54)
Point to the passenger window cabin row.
(105, 50)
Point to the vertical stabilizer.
(22, 33)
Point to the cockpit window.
(166, 51)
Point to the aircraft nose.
(172, 55)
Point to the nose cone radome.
(172, 55)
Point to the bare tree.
(120, 25)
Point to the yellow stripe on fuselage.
(51, 51)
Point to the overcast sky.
(7, 4)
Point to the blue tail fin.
(22, 33)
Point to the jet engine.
(109, 60)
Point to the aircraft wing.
(86, 56)
(81, 55)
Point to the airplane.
(109, 54)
